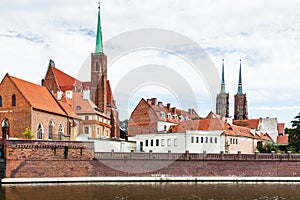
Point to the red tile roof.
(250, 123)
(217, 124)
(67, 107)
(38, 96)
(65, 81)
(283, 139)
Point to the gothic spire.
(240, 89)
(223, 79)
(99, 45)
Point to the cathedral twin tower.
(240, 100)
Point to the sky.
(264, 34)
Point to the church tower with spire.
(222, 103)
(99, 71)
(240, 100)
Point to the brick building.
(222, 103)
(27, 105)
(153, 117)
(99, 88)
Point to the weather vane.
(99, 4)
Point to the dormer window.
(181, 117)
(175, 116)
(169, 115)
(186, 118)
(13, 100)
(162, 114)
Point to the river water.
(145, 191)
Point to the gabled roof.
(250, 123)
(67, 107)
(65, 81)
(282, 139)
(39, 97)
(84, 106)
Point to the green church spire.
(240, 89)
(99, 45)
(223, 79)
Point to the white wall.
(107, 145)
(181, 142)
(161, 125)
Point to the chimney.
(154, 101)
(86, 94)
(191, 111)
(160, 104)
(174, 110)
(168, 106)
(149, 101)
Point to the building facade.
(222, 103)
(101, 94)
(153, 117)
(240, 100)
(27, 105)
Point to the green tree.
(28, 133)
(294, 135)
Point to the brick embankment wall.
(31, 159)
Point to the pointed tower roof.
(99, 45)
(223, 79)
(240, 89)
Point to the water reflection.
(163, 191)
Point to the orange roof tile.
(86, 106)
(65, 81)
(38, 96)
(67, 107)
(250, 123)
(283, 139)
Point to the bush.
(28, 133)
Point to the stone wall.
(28, 159)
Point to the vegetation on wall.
(266, 147)
(28, 133)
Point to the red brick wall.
(142, 120)
(28, 159)
(19, 115)
(44, 118)
(50, 81)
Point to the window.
(201, 139)
(13, 100)
(181, 117)
(86, 130)
(60, 131)
(86, 117)
(78, 108)
(146, 143)
(186, 118)
(197, 139)
(97, 66)
(51, 127)
(162, 142)
(40, 131)
(165, 128)
(169, 142)
(0, 101)
(169, 115)
(211, 139)
(175, 142)
(236, 141)
(151, 143)
(216, 140)
(192, 139)
(157, 142)
(175, 116)
(162, 114)
(206, 139)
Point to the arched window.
(60, 131)
(13, 100)
(40, 131)
(0, 101)
(97, 66)
(51, 128)
(5, 129)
